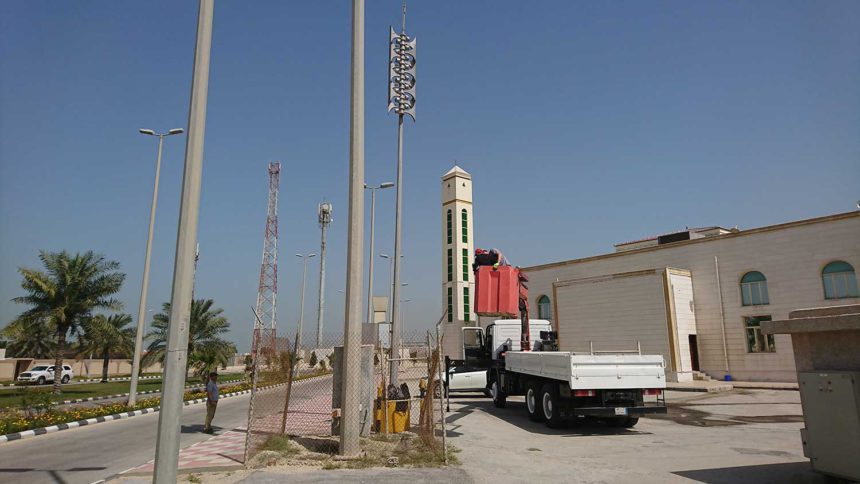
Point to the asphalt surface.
(87, 454)
(743, 436)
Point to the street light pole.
(324, 217)
(351, 379)
(141, 310)
(176, 357)
(373, 190)
(302, 305)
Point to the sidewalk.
(716, 386)
(222, 452)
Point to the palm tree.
(29, 338)
(106, 335)
(66, 293)
(206, 350)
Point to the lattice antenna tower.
(267, 293)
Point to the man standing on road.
(211, 401)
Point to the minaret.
(458, 285)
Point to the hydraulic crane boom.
(525, 337)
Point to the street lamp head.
(386, 185)
(299, 255)
(311, 255)
(176, 131)
(384, 256)
(147, 131)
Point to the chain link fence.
(295, 403)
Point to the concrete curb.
(716, 388)
(119, 416)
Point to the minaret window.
(450, 265)
(450, 227)
(466, 305)
(450, 305)
(465, 222)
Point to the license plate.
(620, 411)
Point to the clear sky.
(583, 124)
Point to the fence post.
(441, 402)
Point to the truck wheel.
(533, 402)
(40, 381)
(551, 405)
(499, 397)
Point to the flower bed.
(18, 420)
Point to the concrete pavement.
(747, 436)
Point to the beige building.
(698, 296)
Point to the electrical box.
(831, 409)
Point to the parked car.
(466, 379)
(41, 374)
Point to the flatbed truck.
(522, 358)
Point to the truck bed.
(589, 372)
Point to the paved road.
(87, 454)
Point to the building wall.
(683, 305)
(790, 255)
(615, 313)
(79, 367)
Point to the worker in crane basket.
(493, 257)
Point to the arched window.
(450, 227)
(754, 289)
(464, 217)
(544, 308)
(839, 280)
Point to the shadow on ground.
(787, 472)
(515, 413)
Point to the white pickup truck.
(560, 385)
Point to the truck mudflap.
(617, 411)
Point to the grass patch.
(281, 444)
(11, 397)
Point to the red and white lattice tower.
(267, 293)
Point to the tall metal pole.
(176, 359)
(141, 309)
(302, 304)
(395, 295)
(369, 319)
(322, 289)
(351, 384)
(324, 213)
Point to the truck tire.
(533, 401)
(551, 405)
(65, 379)
(40, 381)
(499, 397)
(624, 422)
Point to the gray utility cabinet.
(831, 405)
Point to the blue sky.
(583, 124)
